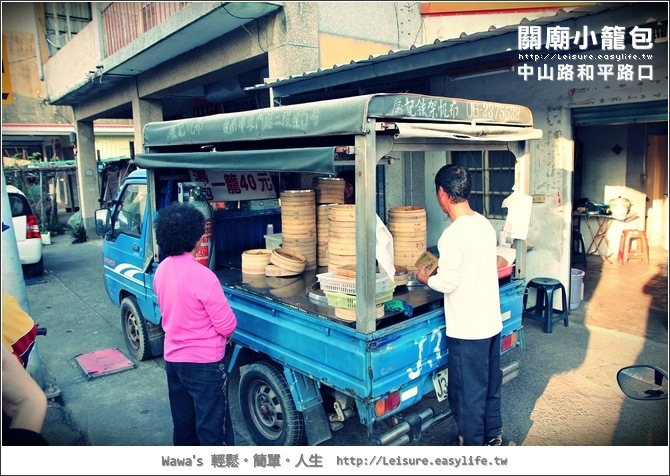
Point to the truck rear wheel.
(268, 408)
(135, 329)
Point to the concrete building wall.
(355, 30)
(19, 38)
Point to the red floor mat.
(104, 362)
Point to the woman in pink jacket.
(198, 321)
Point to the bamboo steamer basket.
(410, 246)
(272, 270)
(341, 248)
(329, 190)
(349, 315)
(322, 229)
(342, 213)
(407, 225)
(407, 213)
(288, 260)
(341, 236)
(299, 196)
(336, 261)
(298, 217)
(254, 261)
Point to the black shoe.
(495, 441)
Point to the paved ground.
(565, 395)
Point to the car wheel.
(135, 329)
(268, 408)
(35, 269)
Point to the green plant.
(78, 234)
(76, 228)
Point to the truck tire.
(268, 408)
(135, 329)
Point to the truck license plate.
(440, 383)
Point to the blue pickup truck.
(303, 370)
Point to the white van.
(27, 233)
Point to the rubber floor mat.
(104, 362)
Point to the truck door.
(123, 250)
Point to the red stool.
(633, 245)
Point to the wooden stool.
(633, 239)
(543, 309)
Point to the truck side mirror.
(103, 222)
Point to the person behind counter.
(349, 190)
(198, 321)
(468, 277)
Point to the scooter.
(643, 382)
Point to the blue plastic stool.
(543, 309)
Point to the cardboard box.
(427, 258)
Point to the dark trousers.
(199, 404)
(473, 388)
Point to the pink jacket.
(196, 316)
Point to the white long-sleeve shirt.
(467, 275)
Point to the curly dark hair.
(179, 226)
(456, 182)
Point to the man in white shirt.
(467, 275)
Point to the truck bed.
(290, 324)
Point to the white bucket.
(576, 288)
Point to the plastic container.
(273, 241)
(330, 282)
(505, 271)
(511, 300)
(576, 287)
(347, 301)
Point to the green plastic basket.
(348, 301)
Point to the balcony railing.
(124, 22)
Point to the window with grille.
(492, 179)
(63, 20)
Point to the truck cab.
(125, 224)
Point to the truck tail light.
(508, 342)
(32, 228)
(387, 404)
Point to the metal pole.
(43, 225)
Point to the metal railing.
(124, 22)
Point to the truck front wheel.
(268, 408)
(135, 329)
